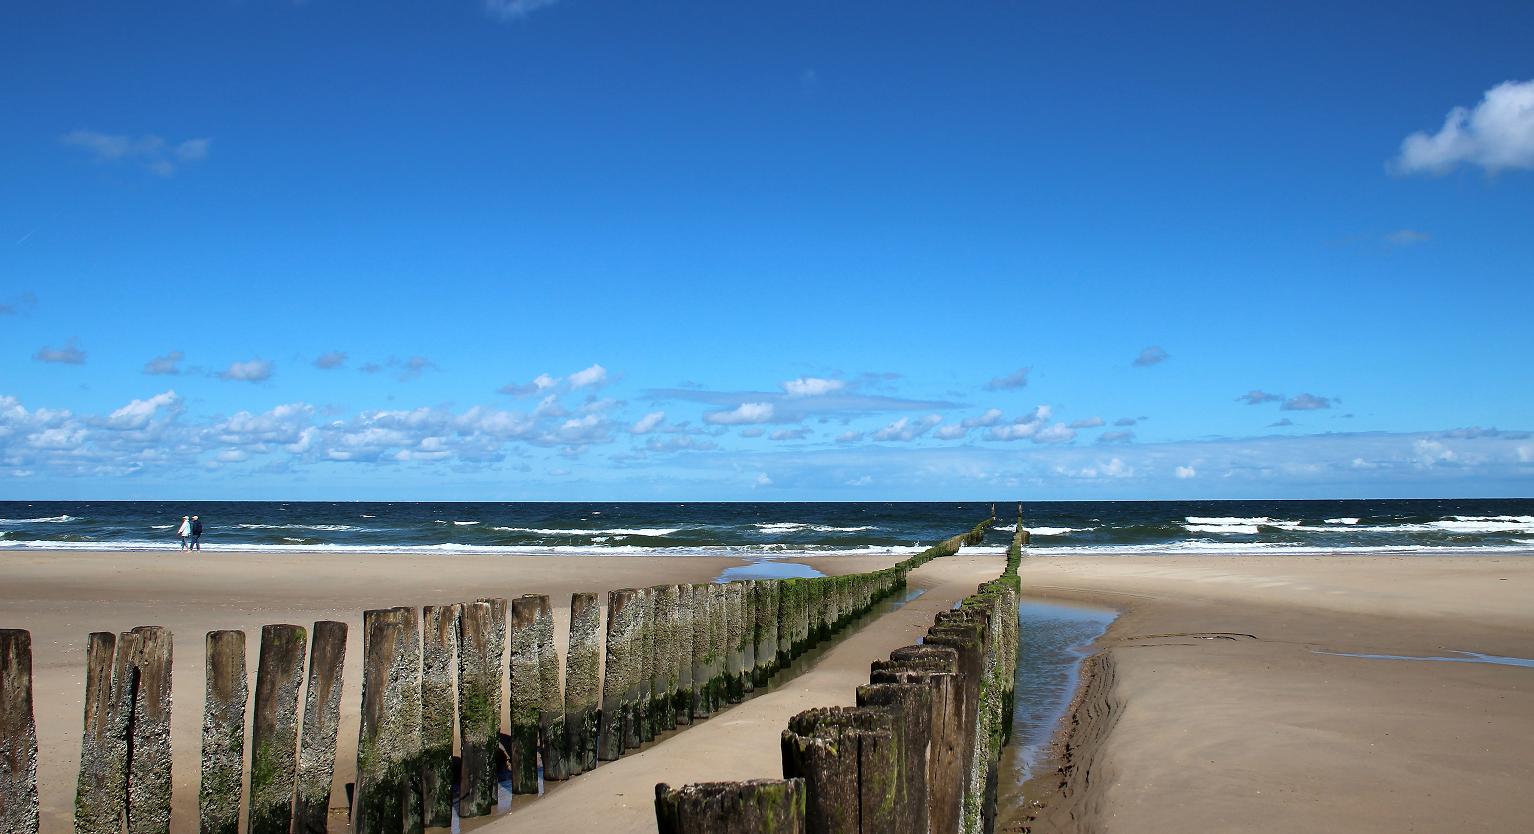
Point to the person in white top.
(185, 531)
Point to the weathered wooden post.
(850, 763)
(148, 657)
(936, 668)
(735, 637)
(526, 695)
(479, 688)
(787, 589)
(964, 636)
(274, 729)
(663, 684)
(322, 715)
(103, 746)
(379, 806)
(439, 637)
(765, 604)
(760, 806)
(409, 718)
(583, 684)
(223, 733)
(18, 735)
(719, 634)
(622, 618)
(702, 649)
(910, 708)
(552, 748)
(686, 624)
(644, 697)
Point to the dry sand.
(1210, 707)
(63, 596)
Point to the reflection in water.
(1052, 641)
(1463, 657)
(769, 569)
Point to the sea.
(777, 530)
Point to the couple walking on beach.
(190, 532)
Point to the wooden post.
(409, 721)
(734, 639)
(439, 637)
(760, 806)
(622, 616)
(964, 638)
(149, 660)
(718, 632)
(18, 735)
(322, 714)
(748, 626)
(787, 588)
(526, 695)
(479, 687)
(849, 761)
(551, 708)
(378, 807)
(223, 733)
(103, 747)
(583, 682)
(274, 730)
(686, 623)
(765, 603)
(936, 668)
(910, 707)
(644, 698)
(664, 682)
(702, 648)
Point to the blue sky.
(871, 251)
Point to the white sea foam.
(654, 532)
(162, 526)
(464, 523)
(1227, 520)
(324, 528)
(1054, 531)
(1223, 529)
(1342, 521)
(746, 551)
(796, 526)
(52, 519)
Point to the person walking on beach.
(185, 531)
(196, 533)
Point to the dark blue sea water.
(778, 528)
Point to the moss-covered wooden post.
(526, 695)
(622, 618)
(552, 746)
(686, 623)
(149, 660)
(665, 679)
(910, 707)
(702, 649)
(850, 763)
(274, 729)
(964, 636)
(936, 668)
(103, 746)
(322, 715)
(719, 634)
(644, 697)
(18, 735)
(439, 637)
(379, 805)
(223, 733)
(747, 635)
(479, 687)
(787, 588)
(765, 604)
(760, 806)
(409, 722)
(583, 683)
(500, 608)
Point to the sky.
(604, 250)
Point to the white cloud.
(166, 365)
(1021, 428)
(69, 354)
(138, 413)
(594, 375)
(991, 417)
(1432, 452)
(810, 386)
(1058, 433)
(151, 151)
(953, 431)
(1088, 423)
(905, 429)
(1256, 396)
(1152, 355)
(330, 360)
(1497, 133)
(1185, 472)
(742, 414)
(849, 437)
(1123, 436)
(253, 370)
(790, 434)
(1016, 379)
(762, 480)
(1306, 402)
(647, 423)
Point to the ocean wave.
(1225, 521)
(798, 526)
(464, 523)
(1055, 531)
(753, 551)
(323, 528)
(1224, 529)
(52, 519)
(1506, 519)
(652, 532)
(1342, 520)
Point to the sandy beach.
(1217, 702)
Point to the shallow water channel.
(1053, 639)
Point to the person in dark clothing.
(196, 533)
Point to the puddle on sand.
(769, 569)
(1460, 657)
(1053, 639)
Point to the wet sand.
(1211, 707)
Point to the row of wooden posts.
(674, 654)
(918, 754)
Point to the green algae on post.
(582, 682)
(322, 711)
(18, 735)
(439, 633)
(274, 728)
(223, 733)
(759, 805)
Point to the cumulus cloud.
(1087, 423)
(1008, 382)
(850, 437)
(1152, 355)
(741, 414)
(1058, 433)
(330, 360)
(1279, 424)
(905, 429)
(1186, 472)
(1116, 437)
(790, 434)
(138, 413)
(152, 152)
(1258, 397)
(1496, 134)
(991, 417)
(1307, 402)
(1125, 421)
(953, 431)
(69, 354)
(810, 386)
(252, 370)
(1021, 428)
(594, 375)
(166, 365)
(647, 423)
(540, 383)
